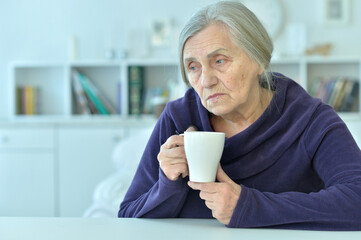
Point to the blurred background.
(63, 160)
(87, 29)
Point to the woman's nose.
(209, 79)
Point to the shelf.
(48, 79)
(106, 77)
(56, 95)
(54, 79)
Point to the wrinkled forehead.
(208, 40)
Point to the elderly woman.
(289, 161)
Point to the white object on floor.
(110, 192)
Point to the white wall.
(40, 29)
(346, 40)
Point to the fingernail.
(194, 128)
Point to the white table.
(123, 229)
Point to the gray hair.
(246, 31)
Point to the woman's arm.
(151, 193)
(337, 159)
(335, 208)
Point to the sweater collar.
(262, 143)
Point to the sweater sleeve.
(152, 194)
(336, 158)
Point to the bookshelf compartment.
(154, 82)
(106, 79)
(332, 70)
(336, 83)
(51, 90)
(159, 76)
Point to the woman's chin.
(218, 111)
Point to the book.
(350, 102)
(93, 109)
(27, 100)
(23, 100)
(355, 95)
(328, 90)
(334, 92)
(80, 95)
(136, 82)
(341, 93)
(346, 93)
(91, 94)
(315, 87)
(102, 98)
(19, 103)
(150, 95)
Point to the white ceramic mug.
(203, 151)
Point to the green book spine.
(19, 101)
(135, 90)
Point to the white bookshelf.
(57, 101)
(55, 83)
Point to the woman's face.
(222, 74)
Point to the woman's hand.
(220, 197)
(172, 158)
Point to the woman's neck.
(238, 121)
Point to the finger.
(173, 141)
(206, 187)
(173, 171)
(192, 128)
(210, 205)
(214, 214)
(207, 196)
(171, 161)
(185, 173)
(222, 176)
(177, 152)
(169, 156)
(181, 169)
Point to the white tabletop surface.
(125, 228)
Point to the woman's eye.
(193, 67)
(219, 61)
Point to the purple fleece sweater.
(298, 166)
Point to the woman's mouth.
(214, 97)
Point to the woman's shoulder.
(294, 103)
(189, 95)
(299, 104)
(291, 91)
(185, 111)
